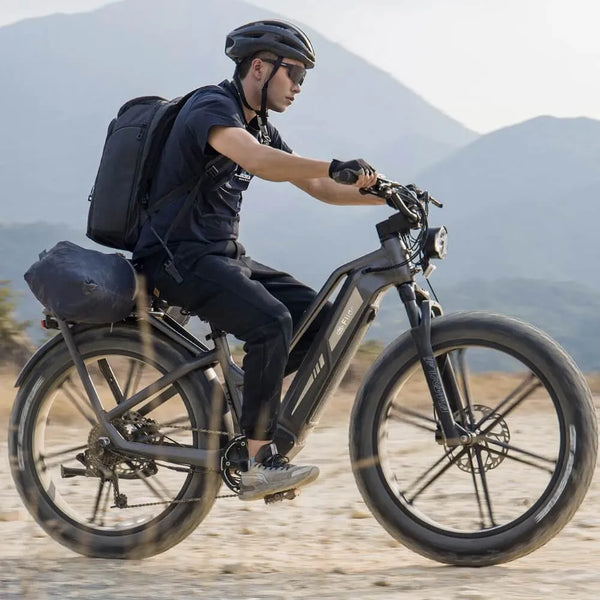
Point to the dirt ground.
(324, 544)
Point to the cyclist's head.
(282, 39)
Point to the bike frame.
(360, 283)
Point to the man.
(208, 271)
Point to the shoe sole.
(281, 488)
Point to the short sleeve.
(208, 110)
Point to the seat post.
(219, 338)
(233, 375)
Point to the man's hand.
(356, 172)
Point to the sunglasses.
(296, 73)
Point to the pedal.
(280, 496)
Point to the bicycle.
(121, 435)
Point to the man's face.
(282, 88)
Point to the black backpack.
(134, 143)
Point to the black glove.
(348, 172)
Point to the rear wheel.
(71, 479)
(527, 467)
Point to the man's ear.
(258, 69)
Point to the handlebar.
(402, 198)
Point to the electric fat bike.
(473, 436)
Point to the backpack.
(133, 146)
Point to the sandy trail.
(324, 544)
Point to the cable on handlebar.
(415, 209)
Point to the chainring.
(234, 459)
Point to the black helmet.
(281, 38)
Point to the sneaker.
(269, 473)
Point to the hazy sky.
(487, 63)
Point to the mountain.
(568, 312)
(65, 76)
(522, 202)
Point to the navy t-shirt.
(214, 216)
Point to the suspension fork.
(419, 317)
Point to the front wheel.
(530, 459)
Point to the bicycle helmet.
(281, 38)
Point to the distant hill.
(65, 76)
(569, 312)
(523, 202)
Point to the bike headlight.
(436, 242)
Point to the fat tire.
(170, 526)
(559, 374)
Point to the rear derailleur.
(100, 460)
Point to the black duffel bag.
(83, 286)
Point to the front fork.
(443, 388)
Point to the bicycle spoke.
(75, 398)
(462, 369)
(134, 376)
(158, 401)
(183, 419)
(105, 505)
(163, 487)
(397, 414)
(522, 391)
(101, 483)
(146, 481)
(514, 448)
(476, 487)
(522, 460)
(484, 484)
(111, 380)
(59, 454)
(64, 451)
(446, 456)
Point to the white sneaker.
(269, 473)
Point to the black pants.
(258, 305)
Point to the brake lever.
(385, 190)
(401, 205)
(373, 191)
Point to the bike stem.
(419, 317)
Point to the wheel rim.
(514, 464)
(65, 425)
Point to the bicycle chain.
(199, 430)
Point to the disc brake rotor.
(490, 453)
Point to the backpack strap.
(215, 169)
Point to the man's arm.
(327, 190)
(276, 165)
(261, 160)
